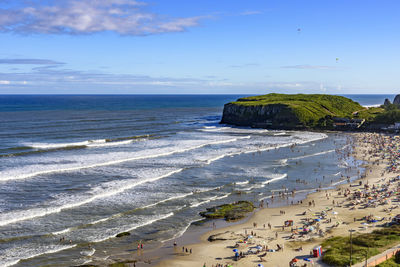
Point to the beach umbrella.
(235, 250)
(259, 247)
(335, 212)
(260, 265)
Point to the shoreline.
(211, 253)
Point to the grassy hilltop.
(299, 110)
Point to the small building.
(346, 123)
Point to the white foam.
(315, 154)
(14, 256)
(242, 183)
(216, 158)
(58, 169)
(236, 130)
(278, 177)
(13, 217)
(88, 143)
(86, 262)
(265, 197)
(283, 161)
(203, 202)
(339, 182)
(168, 199)
(222, 197)
(100, 220)
(131, 228)
(279, 190)
(144, 207)
(194, 205)
(61, 145)
(62, 231)
(88, 252)
(180, 233)
(248, 188)
(106, 144)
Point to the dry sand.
(220, 252)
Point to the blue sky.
(199, 47)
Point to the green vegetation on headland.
(338, 248)
(389, 115)
(229, 212)
(313, 111)
(290, 111)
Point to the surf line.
(20, 216)
(29, 175)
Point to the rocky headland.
(309, 112)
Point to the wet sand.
(340, 217)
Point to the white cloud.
(125, 17)
(4, 82)
(29, 61)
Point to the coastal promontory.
(290, 111)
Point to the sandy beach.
(278, 245)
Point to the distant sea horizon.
(26, 102)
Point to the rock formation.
(396, 100)
(284, 111)
(268, 116)
(387, 102)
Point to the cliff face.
(285, 111)
(396, 100)
(261, 116)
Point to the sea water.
(85, 168)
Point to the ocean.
(78, 170)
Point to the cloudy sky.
(199, 47)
